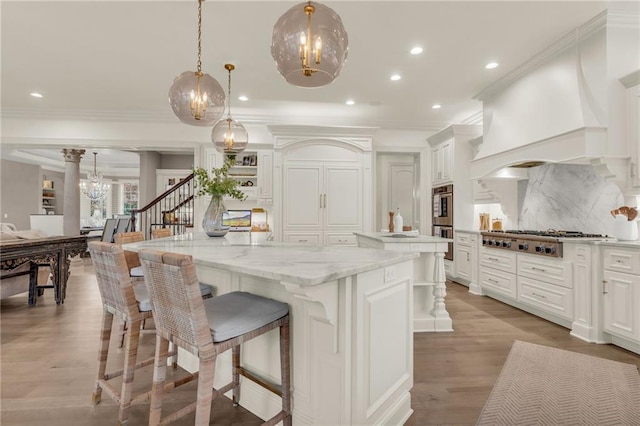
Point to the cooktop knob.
(550, 250)
(540, 249)
(506, 244)
(523, 246)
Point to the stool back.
(114, 282)
(126, 238)
(161, 233)
(178, 309)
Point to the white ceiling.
(118, 58)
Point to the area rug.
(539, 385)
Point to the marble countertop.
(251, 254)
(616, 243)
(387, 237)
(468, 231)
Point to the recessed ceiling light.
(37, 95)
(416, 50)
(243, 98)
(491, 65)
(396, 77)
(350, 102)
(436, 106)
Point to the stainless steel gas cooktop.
(544, 243)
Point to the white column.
(71, 222)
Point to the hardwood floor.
(49, 359)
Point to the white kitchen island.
(352, 341)
(429, 309)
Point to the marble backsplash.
(568, 197)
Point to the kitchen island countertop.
(296, 263)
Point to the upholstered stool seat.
(205, 289)
(206, 328)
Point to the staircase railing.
(172, 209)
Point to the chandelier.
(309, 44)
(96, 189)
(229, 136)
(197, 98)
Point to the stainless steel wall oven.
(442, 198)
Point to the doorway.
(398, 186)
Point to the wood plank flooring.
(48, 360)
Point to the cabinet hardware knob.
(538, 295)
(492, 281)
(604, 287)
(619, 261)
(538, 269)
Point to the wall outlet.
(6, 215)
(389, 273)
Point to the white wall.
(20, 192)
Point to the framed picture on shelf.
(253, 160)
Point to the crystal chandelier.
(229, 136)
(197, 98)
(96, 189)
(309, 44)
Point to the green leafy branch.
(217, 182)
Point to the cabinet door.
(463, 262)
(446, 161)
(342, 197)
(621, 304)
(265, 174)
(302, 197)
(436, 164)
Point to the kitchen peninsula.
(429, 309)
(352, 330)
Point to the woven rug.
(539, 385)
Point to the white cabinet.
(632, 83)
(265, 174)
(466, 255)
(498, 273)
(546, 284)
(442, 162)
(322, 203)
(621, 296)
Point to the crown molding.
(166, 117)
(568, 41)
(475, 118)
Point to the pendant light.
(229, 136)
(309, 45)
(96, 189)
(197, 98)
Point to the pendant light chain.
(199, 34)
(229, 92)
(95, 154)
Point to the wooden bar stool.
(160, 233)
(206, 328)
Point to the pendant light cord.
(229, 94)
(199, 34)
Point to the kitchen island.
(352, 340)
(429, 290)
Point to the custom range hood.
(565, 105)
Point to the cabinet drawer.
(547, 297)
(498, 281)
(463, 239)
(313, 239)
(498, 259)
(553, 271)
(341, 240)
(622, 260)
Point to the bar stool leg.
(159, 374)
(132, 339)
(285, 372)
(236, 375)
(206, 372)
(103, 352)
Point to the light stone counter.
(352, 340)
(429, 278)
(617, 243)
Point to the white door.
(341, 197)
(401, 184)
(621, 296)
(302, 197)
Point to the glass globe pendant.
(309, 44)
(197, 98)
(228, 135)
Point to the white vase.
(624, 229)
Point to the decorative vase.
(212, 220)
